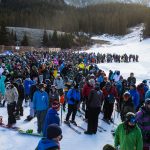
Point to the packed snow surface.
(130, 44)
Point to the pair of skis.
(72, 126)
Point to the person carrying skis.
(40, 105)
(52, 116)
(128, 135)
(143, 121)
(52, 139)
(11, 97)
(73, 98)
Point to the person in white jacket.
(11, 97)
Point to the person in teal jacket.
(2, 87)
(128, 135)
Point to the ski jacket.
(27, 84)
(110, 95)
(11, 95)
(52, 117)
(40, 100)
(59, 83)
(95, 99)
(53, 96)
(2, 85)
(86, 90)
(130, 141)
(141, 92)
(73, 96)
(20, 89)
(131, 80)
(143, 121)
(127, 106)
(135, 97)
(46, 144)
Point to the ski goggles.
(132, 120)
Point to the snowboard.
(29, 133)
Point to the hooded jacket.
(52, 117)
(46, 144)
(130, 141)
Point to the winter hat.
(108, 147)
(126, 94)
(92, 82)
(53, 131)
(144, 81)
(55, 105)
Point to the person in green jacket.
(128, 135)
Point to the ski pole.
(61, 114)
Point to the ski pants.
(11, 113)
(32, 113)
(72, 109)
(108, 109)
(93, 114)
(19, 108)
(40, 119)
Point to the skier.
(73, 97)
(135, 96)
(128, 135)
(131, 79)
(143, 121)
(11, 97)
(52, 116)
(40, 105)
(127, 105)
(94, 103)
(51, 141)
(53, 95)
(110, 94)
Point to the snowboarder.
(40, 105)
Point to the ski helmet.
(130, 117)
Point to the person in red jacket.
(110, 94)
(86, 91)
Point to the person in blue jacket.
(135, 96)
(27, 85)
(73, 98)
(51, 141)
(40, 105)
(52, 117)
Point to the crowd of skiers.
(47, 80)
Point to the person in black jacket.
(19, 108)
(127, 105)
(131, 79)
(94, 107)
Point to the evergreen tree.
(45, 40)
(55, 39)
(3, 34)
(25, 41)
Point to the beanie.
(53, 131)
(108, 147)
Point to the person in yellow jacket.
(128, 135)
(81, 66)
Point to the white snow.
(11, 140)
